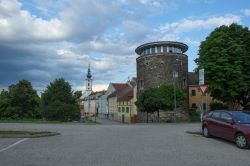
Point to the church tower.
(88, 81)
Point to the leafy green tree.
(58, 102)
(77, 95)
(167, 96)
(20, 101)
(147, 101)
(154, 99)
(4, 103)
(225, 56)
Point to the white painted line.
(12, 145)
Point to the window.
(119, 109)
(204, 106)
(164, 48)
(194, 105)
(226, 117)
(158, 49)
(216, 115)
(170, 49)
(193, 92)
(141, 84)
(127, 109)
(143, 52)
(184, 82)
(123, 109)
(148, 51)
(152, 50)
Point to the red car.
(229, 125)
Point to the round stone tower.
(157, 63)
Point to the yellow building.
(121, 103)
(195, 98)
(127, 112)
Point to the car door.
(213, 123)
(226, 128)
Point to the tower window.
(152, 50)
(170, 49)
(141, 84)
(165, 49)
(88, 84)
(158, 49)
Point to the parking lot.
(117, 144)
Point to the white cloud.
(186, 25)
(246, 12)
(20, 25)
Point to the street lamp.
(175, 75)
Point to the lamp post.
(175, 75)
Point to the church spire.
(89, 73)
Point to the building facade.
(195, 94)
(121, 102)
(127, 111)
(91, 103)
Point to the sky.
(41, 40)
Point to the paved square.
(115, 145)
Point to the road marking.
(12, 145)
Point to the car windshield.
(242, 117)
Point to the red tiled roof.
(127, 96)
(119, 86)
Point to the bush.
(193, 115)
(217, 106)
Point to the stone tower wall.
(157, 69)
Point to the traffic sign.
(203, 88)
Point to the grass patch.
(43, 121)
(25, 134)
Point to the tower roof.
(89, 73)
(180, 45)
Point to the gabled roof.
(119, 86)
(126, 96)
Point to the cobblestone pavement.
(118, 145)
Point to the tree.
(225, 56)
(148, 101)
(58, 102)
(167, 96)
(77, 95)
(4, 103)
(20, 101)
(154, 99)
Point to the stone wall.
(165, 116)
(156, 69)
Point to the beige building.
(121, 103)
(127, 111)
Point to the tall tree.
(20, 101)
(153, 99)
(225, 56)
(4, 103)
(58, 102)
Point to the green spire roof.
(89, 73)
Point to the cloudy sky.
(41, 40)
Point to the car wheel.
(205, 132)
(241, 141)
